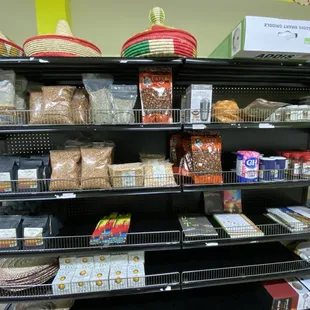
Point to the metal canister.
(267, 168)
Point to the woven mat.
(46, 305)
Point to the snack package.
(65, 169)
(120, 229)
(226, 111)
(158, 174)
(36, 105)
(103, 229)
(80, 107)
(156, 96)
(98, 88)
(123, 101)
(95, 167)
(206, 153)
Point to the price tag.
(212, 244)
(265, 125)
(66, 196)
(199, 126)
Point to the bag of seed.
(36, 103)
(57, 105)
(156, 96)
(95, 167)
(158, 174)
(80, 107)
(98, 88)
(65, 169)
(206, 155)
(123, 101)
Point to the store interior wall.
(109, 23)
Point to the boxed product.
(80, 280)
(61, 283)
(118, 277)
(135, 258)
(282, 295)
(266, 38)
(119, 259)
(68, 262)
(303, 293)
(136, 275)
(99, 279)
(101, 260)
(84, 262)
(198, 103)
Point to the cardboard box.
(61, 283)
(80, 280)
(84, 262)
(303, 293)
(68, 262)
(118, 277)
(100, 260)
(119, 259)
(136, 258)
(282, 295)
(198, 103)
(136, 275)
(99, 279)
(267, 38)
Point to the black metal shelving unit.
(243, 81)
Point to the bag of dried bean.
(156, 96)
(36, 103)
(157, 174)
(80, 107)
(206, 155)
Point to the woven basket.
(9, 48)
(160, 40)
(63, 44)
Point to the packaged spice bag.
(8, 168)
(156, 96)
(80, 107)
(95, 163)
(36, 105)
(157, 174)
(206, 154)
(7, 90)
(65, 169)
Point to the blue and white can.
(267, 167)
(279, 174)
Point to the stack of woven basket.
(160, 40)
(8, 48)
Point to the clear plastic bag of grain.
(57, 105)
(127, 175)
(158, 174)
(98, 88)
(149, 157)
(80, 107)
(95, 167)
(36, 103)
(65, 169)
(7, 97)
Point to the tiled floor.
(2, 306)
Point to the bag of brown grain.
(95, 171)
(36, 103)
(80, 107)
(65, 169)
(158, 173)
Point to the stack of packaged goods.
(99, 273)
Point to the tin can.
(267, 167)
(279, 173)
(305, 170)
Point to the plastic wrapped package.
(206, 155)
(148, 157)
(80, 107)
(20, 102)
(95, 163)
(98, 88)
(65, 169)
(291, 113)
(7, 90)
(261, 109)
(156, 96)
(57, 104)
(226, 111)
(127, 175)
(123, 101)
(157, 174)
(36, 105)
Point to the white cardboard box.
(136, 258)
(267, 38)
(302, 291)
(119, 259)
(118, 277)
(67, 262)
(101, 260)
(80, 280)
(83, 262)
(136, 275)
(61, 283)
(99, 279)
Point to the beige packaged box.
(136, 258)
(62, 281)
(80, 280)
(119, 259)
(136, 275)
(303, 293)
(99, 279)
(118, 277)
(84, 262)
(100, 260)
(67, 262)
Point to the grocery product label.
(159, 171)
(27, 178)
(33, 236)
(306, 169)
(8, 238)
(297, 167)
(247, 166)
(5, 182)
(128, 178)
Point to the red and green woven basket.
(160, 40)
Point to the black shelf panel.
(35, 196)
